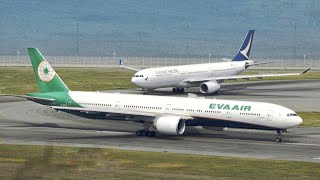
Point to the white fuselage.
(178, 76)
(258, 114)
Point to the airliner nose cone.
(133, 80)
(299, 120)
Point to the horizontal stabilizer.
(43, 101)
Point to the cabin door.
(117, 105)
(269, 115)
(229, 114)
(168, 108)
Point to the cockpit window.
(291, 114)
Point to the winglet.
(244, 51)
(305, 71)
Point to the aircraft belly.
(166, 81)
(226, 123)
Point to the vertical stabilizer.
(47, 79)
(245, 48)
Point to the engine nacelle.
(209, 87)
(170, 125)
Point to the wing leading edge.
(114, 112)
(222, 78)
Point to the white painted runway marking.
(317, 158)
(303, 144)
(113, 132)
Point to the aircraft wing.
(222, 78)
(130, 68)
(130, 114)
(127, 67)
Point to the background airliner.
(166, 115)
(206, 76)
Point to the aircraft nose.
(134, 80)
(298, 120)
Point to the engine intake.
(209, 87)
(170, 125)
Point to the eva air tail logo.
(45, 71)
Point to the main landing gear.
(279, 139)
(145, 91)
(178, 90)
(145, 131)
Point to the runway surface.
(24, 122)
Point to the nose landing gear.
(279, 138)
(145, 91)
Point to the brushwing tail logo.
(45, 71)
(245, 51)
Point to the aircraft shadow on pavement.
(189, 135)
(54, 125)
(206, 138)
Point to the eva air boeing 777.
(158, 114)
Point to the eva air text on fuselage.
(230, 107)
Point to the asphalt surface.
(24, 122)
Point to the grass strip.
(310, 119)
(54, 162)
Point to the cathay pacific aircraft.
(158, 114)
(206, 76)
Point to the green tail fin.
(47, 79)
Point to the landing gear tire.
(278, 140)
(143, 133)
(174, 90)
(138, 133)
(146, 133)
(150, 133)
(177, 90)
(153, 133)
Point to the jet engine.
(209, 87)
(170, 125)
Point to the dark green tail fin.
(47, 79)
